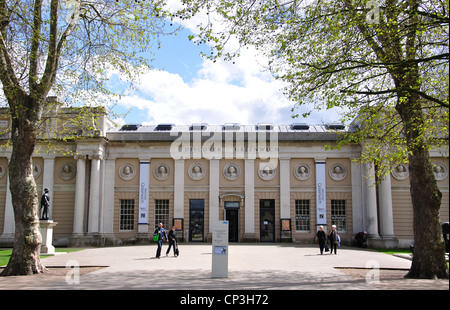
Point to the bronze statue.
(45, 203)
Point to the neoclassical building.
(112, 186)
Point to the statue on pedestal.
(45, 203)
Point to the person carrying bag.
(159, 234)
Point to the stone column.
(357, 197)
(214, 177)
(178, 199)
(78, 214)
(94, 196)
(249, 209)
(108, 201)
(285, 189)
(370, 202)
(7, 237)
(386, 216)
(178, 195)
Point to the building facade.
(272, 183)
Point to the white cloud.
(220, 92)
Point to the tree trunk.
(428, 257)
(429, 249)
(25, 258)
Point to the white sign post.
(220, 250)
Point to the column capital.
(96, 156)
(145, 160)
(320, 159)
(79, 156)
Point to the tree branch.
(35, 43)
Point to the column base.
(383, 242)
(7, 240)
(250, 238)
(82, 240)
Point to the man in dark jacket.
(172, 241)
(321, 238)
(161, 236)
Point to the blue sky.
(184, 88)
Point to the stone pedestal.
(46, 227)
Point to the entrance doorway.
(267, 220)
(232, 216)
(196, 219)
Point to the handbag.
(326, 248)
(155, 237)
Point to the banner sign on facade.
(321, 197)
(143, 192)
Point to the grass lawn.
(394, 251)
(398, 251)
(6, 254)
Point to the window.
(126, 221)
(338, 216)
(302, 216)
(162, 212)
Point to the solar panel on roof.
(130, 127)
(164, 127)
(335, 126)
(300, 126)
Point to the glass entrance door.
(267, 220)
(196, 219)
(232, 216)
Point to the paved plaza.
(250, 267)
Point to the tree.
(383, 62)
(65, 49)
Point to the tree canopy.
(384, 62)
(355, 55)
(66, 49)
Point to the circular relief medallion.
(231, 171)
(337, 172)
(67, 171)
(196, 171)
(161, 171)
(2, 171)
(266, 171)
(400, 172)
(302, 171)
(127, 172)
(36, 170)
(440, 171)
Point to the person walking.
(334, 239)
(161, 236)
(321, 237)
(172, 241)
